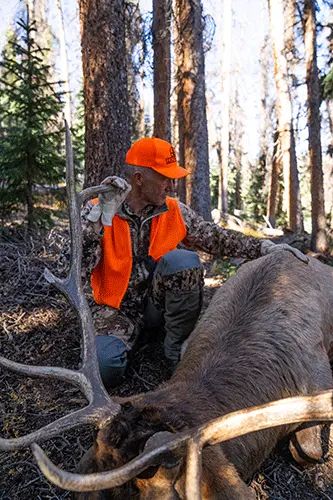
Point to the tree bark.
(162, 68)
(64, 60)
(133, 37)
(274, 183)
(107, 119)
(292, 204)
(193, 134)
(329, 206)
(236, 146)
(264, 104)
(318, 236)
(225, 78)
(329, 104)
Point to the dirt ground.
(38, 327)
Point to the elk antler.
(283, 412)
(101, 408)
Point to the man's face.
(155, 188)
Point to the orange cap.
(157, 154)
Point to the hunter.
(139, 247)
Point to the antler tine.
(117, 477)
(80, 417)
(193, 469)
(283, 412)
(71, 376)
(73, 290)
(91, 192)
(101, 407)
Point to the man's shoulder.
(186, 210)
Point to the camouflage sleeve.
(216, 240)
(91, 239)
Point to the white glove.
(268, 246)
(110, 201)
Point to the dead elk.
(266, 336)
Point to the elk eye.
(148, 473)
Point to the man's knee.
(177, 260)
(112, 358)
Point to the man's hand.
(268, 246)
(110, 201)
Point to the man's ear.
(137, 178)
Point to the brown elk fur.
(265, 336)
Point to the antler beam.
(283, 412)
(101, 408)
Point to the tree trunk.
(64, 60)
(274, 184)
(162, 68)
(192, 101)
(133, 37)
(225, 78)
(264, 104)
(236, 145)
(318, 236)
(107, 121)
(329, 206)
(292, 203)
(329, 104)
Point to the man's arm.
(93, 218)
(92, 233)
(216, 240)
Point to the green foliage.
(31, 149)
(214, 185)
(327, 85)
(223, 267)
(256, 199)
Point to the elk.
(266, 336)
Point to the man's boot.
(181, 313)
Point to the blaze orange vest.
(110, 277)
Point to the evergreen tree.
(31, 154)
(256, 198)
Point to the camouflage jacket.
(201, 235)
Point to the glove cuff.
(95, 213)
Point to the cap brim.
(175, 172)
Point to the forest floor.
(38, 327)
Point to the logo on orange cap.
(155, 153)
(172, 158)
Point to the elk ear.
(169, 459)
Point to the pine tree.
(30, 135)
(256, 198)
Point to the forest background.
(243, 89)
(242, 130)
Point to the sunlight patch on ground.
(213, 282)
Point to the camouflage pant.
(174, 299)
